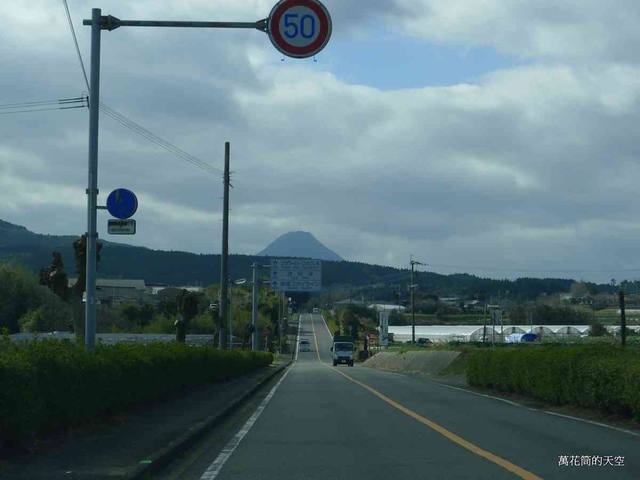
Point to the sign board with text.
(121, 227)
(384, 329)
(296, 275)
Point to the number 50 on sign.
(299, 28)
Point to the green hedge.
(50, 383)
(606, 378)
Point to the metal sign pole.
(92, 189)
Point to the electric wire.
(75, 41)
(43, 106)
(42, 103)
(139, 129)
(41, 110)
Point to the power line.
(139, 129)
(42, 103)
(41, 110)
(542, 270)
(75, 41)
(27, 107)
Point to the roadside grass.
(459, 366)
(332, 322)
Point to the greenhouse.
(474, 333)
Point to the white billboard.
(296, 275)
(384, 329)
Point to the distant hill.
(12, 235)
(299, 244)
(32, 251)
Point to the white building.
(386, 307)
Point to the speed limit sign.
(299, 28)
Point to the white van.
(305, 345)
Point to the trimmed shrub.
(606, 378)
(50, 383)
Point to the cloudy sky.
(497, 137)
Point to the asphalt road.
(324, 422)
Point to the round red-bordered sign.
(299, 28)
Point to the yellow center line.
(519, 471)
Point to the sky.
(498, 138)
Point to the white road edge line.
(214, 469)
(484, 395)
(543, 411)
(592, 422)
(326, 326)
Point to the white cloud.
(570, 30)
(532, 167)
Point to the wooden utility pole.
(413, 286)
(623, 319)
(224, 270)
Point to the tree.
(596, 329)
(146, 314)
(21, 294)
(55, 278)
(168, 301)
(131, 313)
(396, 318)
(187, 309)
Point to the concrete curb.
(163, 457)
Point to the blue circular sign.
(122, 203)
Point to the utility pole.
(224, 270)
(230, 315)
(254, 312)
(484, 329)
(623, 319)
(413, 307)
(276, 335)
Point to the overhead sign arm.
(109, 22)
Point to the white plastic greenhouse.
(474, 333)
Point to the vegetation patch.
(46, 384)
(601, 377)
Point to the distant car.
(316, 310)
(305, 345)
(424, 342)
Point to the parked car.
(424, 342)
